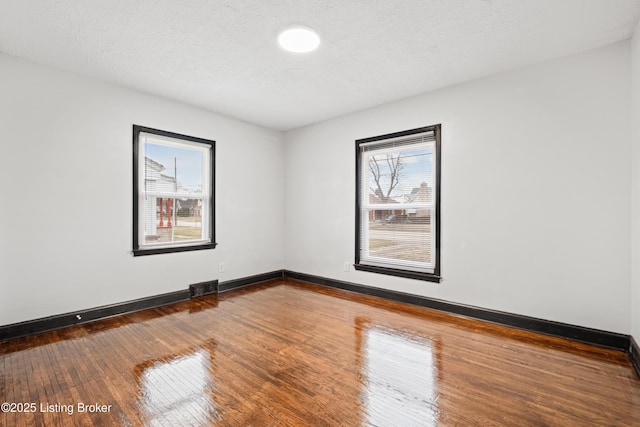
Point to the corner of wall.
(635, 185)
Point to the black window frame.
(137, 250)
(391, 271)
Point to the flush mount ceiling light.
(299, 40)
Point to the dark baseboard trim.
(602, 338)
(577, 333)
(31, 327)
(634, 355)
(250, 280)
(44, 324)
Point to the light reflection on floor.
(178, 392)
(401, 379)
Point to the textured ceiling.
(222, 54)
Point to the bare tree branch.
(395, 167)
(376, 174)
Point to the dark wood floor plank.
(289, 353)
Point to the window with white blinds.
(397, 218)
(173, 192)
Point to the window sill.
(166, 250)
(417, 275)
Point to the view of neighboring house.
(422, 194)
(189, 207)
(155, 181)
(381, 215)
(161, 212)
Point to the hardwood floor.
(296, 354)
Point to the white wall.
(65, 205)
(535, 190)
(536, 184)
(635, 188)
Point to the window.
(173, 192)
(398, 204)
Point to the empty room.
(320, 213)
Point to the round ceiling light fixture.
(299, 39)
